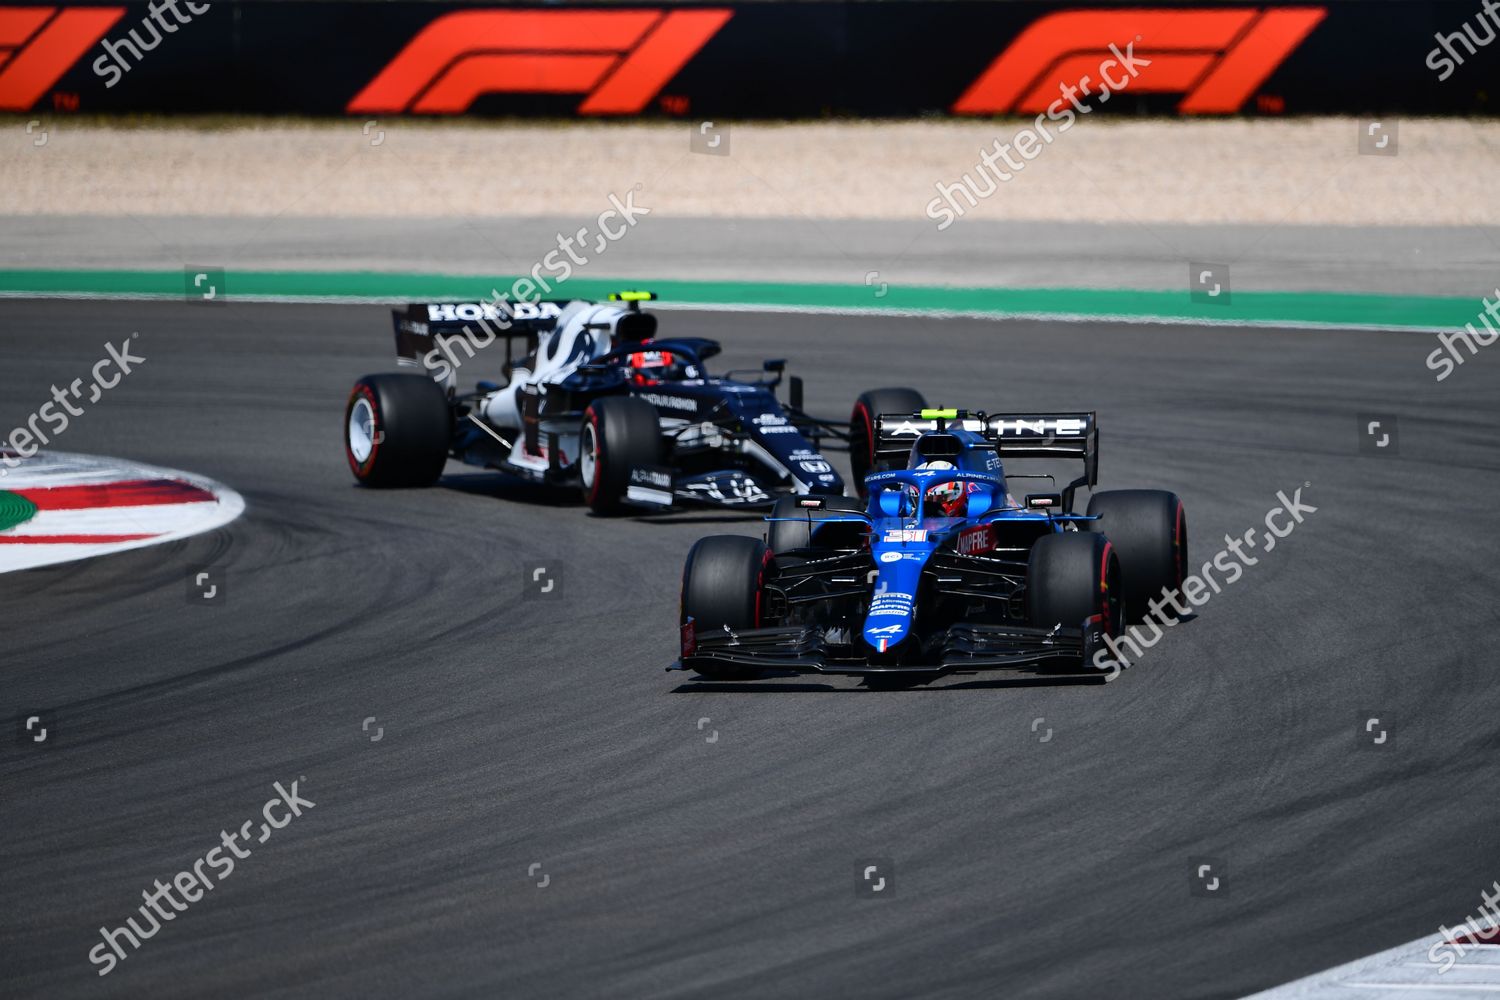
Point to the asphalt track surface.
(518, 731)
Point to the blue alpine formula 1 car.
(941, 570)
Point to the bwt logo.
(1216, 57)
(619, 58)
(39, 44)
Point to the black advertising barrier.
(751, 60)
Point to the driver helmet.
(647, 366)
(944, 499)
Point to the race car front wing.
(963, 648)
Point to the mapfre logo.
(39, 44)
(620, 58)
(1216, 57)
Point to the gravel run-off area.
(1291, 171)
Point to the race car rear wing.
(422, 327)
(1047, 435)
(1015, 435)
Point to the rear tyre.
(785, 536)
(862, 426)
(1071, 577)
(618, 432)
(1149, 532)
(723, 583)
(397, 429)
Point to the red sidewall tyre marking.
(760, 584)
(598, 456)
(362, 469)
(1104, 608)
(1179, 544)
(863, 415)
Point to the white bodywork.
(559, 352)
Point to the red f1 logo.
(39, 44)
(619, 58)
(1217, 57)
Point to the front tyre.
(723, 584)
(397, 428)
(618, 433)
(862, 426)
(1149, 532)
(1071, 577)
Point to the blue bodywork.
(930, 575)
(904, 535)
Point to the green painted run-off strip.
(1289, 308)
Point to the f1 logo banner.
(39, 44)
(1217, 57)
(620, 58)
(734, 60)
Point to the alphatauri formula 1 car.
(596, 400)
(942, 570)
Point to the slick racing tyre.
(397, 429)
(618, 433)
(723, 583)
(786, 536)
(1149, 532)
(1073, 576)
(862, 426)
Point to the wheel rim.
(588, 455)
(361, 433)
